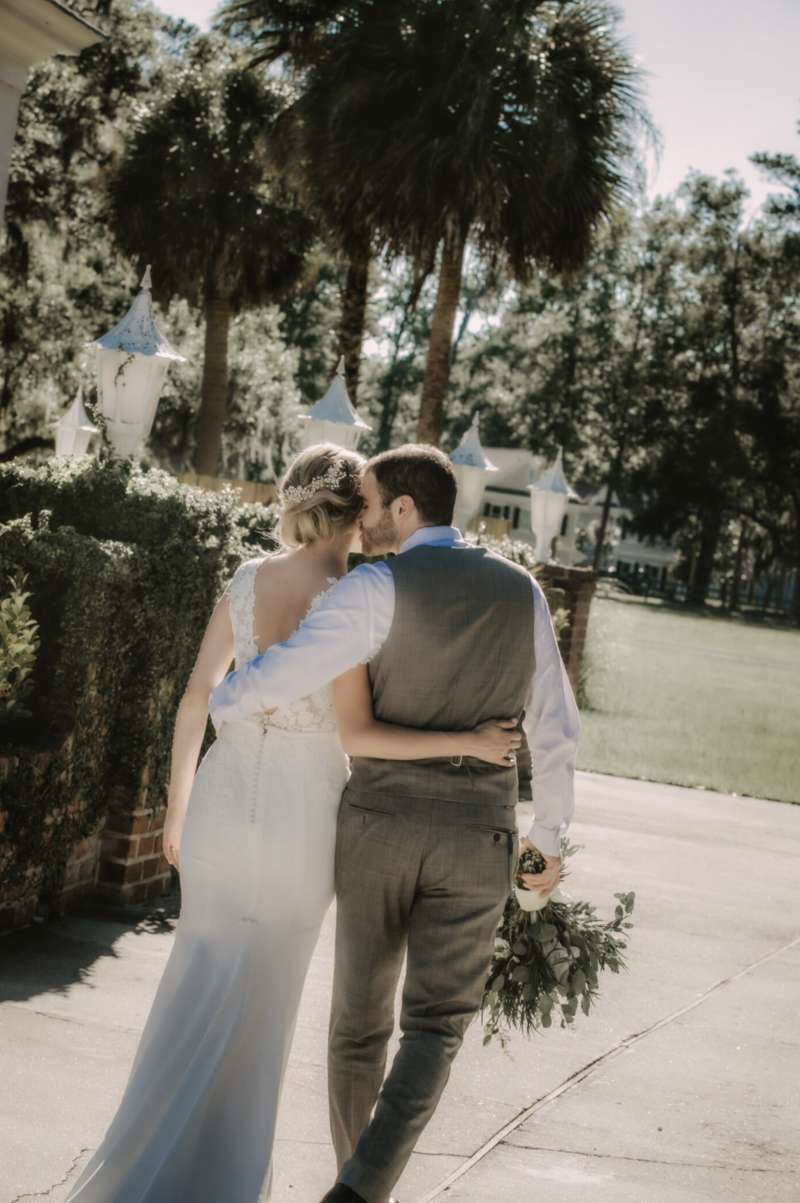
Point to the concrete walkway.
(683, 1087)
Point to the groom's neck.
(404, 534)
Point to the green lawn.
(691, 700)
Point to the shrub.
(125, 568)
(18, 647)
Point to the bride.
(253, 834)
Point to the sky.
(722, 81)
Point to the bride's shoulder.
(245, 574)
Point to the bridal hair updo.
(320, 494)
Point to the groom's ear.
(403, 506)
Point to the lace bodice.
(316, 712)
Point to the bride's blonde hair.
(320, 494)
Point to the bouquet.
(546, 961)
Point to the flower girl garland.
(548, 959)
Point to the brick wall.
(132, 864)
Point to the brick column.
(578, 585)
(132, 864)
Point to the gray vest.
(460, 651)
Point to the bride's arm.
(213, 661)
(362, 735)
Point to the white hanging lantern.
(132, 362)
(333, 419)
(471, 468)
(549, 498)
(74, 430)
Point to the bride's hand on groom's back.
(496, 741)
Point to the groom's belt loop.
(456, 761)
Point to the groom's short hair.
(419, 471)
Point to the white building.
(506, 508)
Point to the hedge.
(124, 568)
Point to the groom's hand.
(545, 882)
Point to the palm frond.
(510, 119)
(193, 197)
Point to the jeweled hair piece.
(329, 480)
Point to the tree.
(401, 330)
(430, 123)
(309, 318)
(60, 278)
(299, 35)
(192, 197)
(772, 414)
(702, 318)
(500, 122)
(566, 365)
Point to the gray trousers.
(431, 878)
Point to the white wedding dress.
(197, 1121)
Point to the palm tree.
(291, 152)
(431, 122)
(192, 196)
(300, 33)
(504, 122)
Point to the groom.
(426, 850)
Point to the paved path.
(682, 1088)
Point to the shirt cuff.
(545, 839)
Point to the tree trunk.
(736, 584)
(214, 391)
(709, 538)
(437, 369)
(597, 563)
(391, 389)
(354, 313)
(614, 476)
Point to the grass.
(692, 700)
